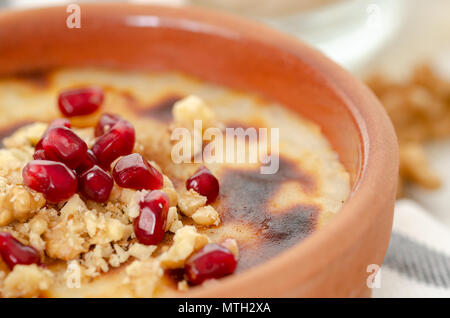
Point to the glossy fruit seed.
(53, 179)
(213, 261)
(119, 141)
(81, 101)
(135, 172)
(39, 155)
(204, 183)
(105, 123)
(95, 184)
(58, 122)
(87, 163)
(14, 253)
(62, 144)
(150, 225)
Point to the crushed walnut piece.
(192, 108)
(420, 111)
(27, 136)
(190, 201)
(141, 251)
(169, 189)
(186, 241)
(173, 222)
(206, 216)
(26, 281)
(195, 115)
(17, 202)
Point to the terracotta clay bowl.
(229, 51)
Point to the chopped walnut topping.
(190, 201)
(120, 256)
(141, 251)
(26, 281)
(176, 226)
(143, 277)
(193, 108)
(94, 260)
(38, 226)
(129, 198)
(65, 244)
(17, 202)
(12, 161)
(66, 240)
(173, 222)
(109, 229)
(186, 241)
(169, 189)
(26, 136)
(207, 216)
(94, 237)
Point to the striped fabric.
(417, 263)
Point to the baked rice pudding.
(92, 203)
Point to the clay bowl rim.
(379, 146)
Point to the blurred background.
(361, 35)
(352, 32)
(401, 49)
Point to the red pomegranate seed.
(150, 225)
(87, 163)
(39, 145)
(58, 122)
(39, 155)
(211, 262)
(119, 141)
(95, 184)
(79, 102)
(53, 179)
(105, 123)
(62, 144)
(14, 253)
(204, 183)
(135, 172)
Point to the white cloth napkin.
(417, 263)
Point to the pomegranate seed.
(53, 179)
(87, 163)
(150, 225)
(95, 184)
(79, 102)
(135, 172)
(119, 141)
(204, 183)
(105, 123)
(62, 144)
(14, 253)
(39, 155)
(211, 262)
(58, 122)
